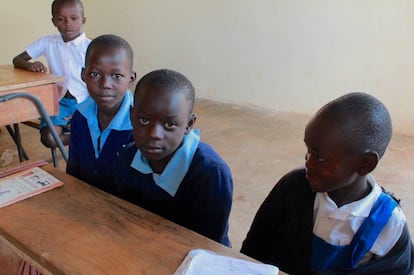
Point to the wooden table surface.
(78, 229)
(41, 85)
(12, 78)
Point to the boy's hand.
(22, 61)
(37, 66)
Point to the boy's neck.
(79, 34)
(351, 193)
(105, 118)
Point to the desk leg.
(15, 135)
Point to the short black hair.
(170, 79)
(110, 41)
(60, 2)
(364, 120)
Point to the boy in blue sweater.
(168, 170)
(101, 124)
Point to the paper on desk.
(205, 262)
(25, 184)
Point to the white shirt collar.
(77, 41)
(325, 206)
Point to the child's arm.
(212, 202)
(22, 61)
(399, 260)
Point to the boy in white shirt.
(65, 54)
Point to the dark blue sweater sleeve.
(212, 199)
(73, 165)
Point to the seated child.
(65, 55)
(168, 170)
(332, 215)
(101, 124)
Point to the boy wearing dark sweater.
(168, 170)
(331, 216)
(101, 124)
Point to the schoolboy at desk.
(168, 170)
(332, 216)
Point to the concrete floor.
(260, 147)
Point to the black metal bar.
(44, 115)
(16, 138)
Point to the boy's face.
(160, 119)
(330, 164)
(107, 76)
(68, 19)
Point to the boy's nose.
(156, 132)
(105, 82)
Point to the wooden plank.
(41, 85)
(22, 109)
(78, 229)
(12, 78)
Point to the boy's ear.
(191, 123)
(83, 75)
(132, 77)
(84, 20)
(368, 163)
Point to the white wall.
(290, 55)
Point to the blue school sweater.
(202, 202)
(84, 163)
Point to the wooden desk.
(33, 95)
(77, 229)
(41, 85)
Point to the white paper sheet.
(205, 262)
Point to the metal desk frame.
(16, 133)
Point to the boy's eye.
(94, 75)
(116, 76)
(320, 159)
(170, 125)
(311, 154)
(143, 120)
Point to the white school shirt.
(64, 59)
(337, 226)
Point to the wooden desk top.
(12, 78)
(77, 229)
(41, 85)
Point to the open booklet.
(205, 262)
(25, 181)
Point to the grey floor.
(260, 147)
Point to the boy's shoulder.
(207, 155)
(49, 38)
(56, 37)
(294, 179)
(53, 36)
